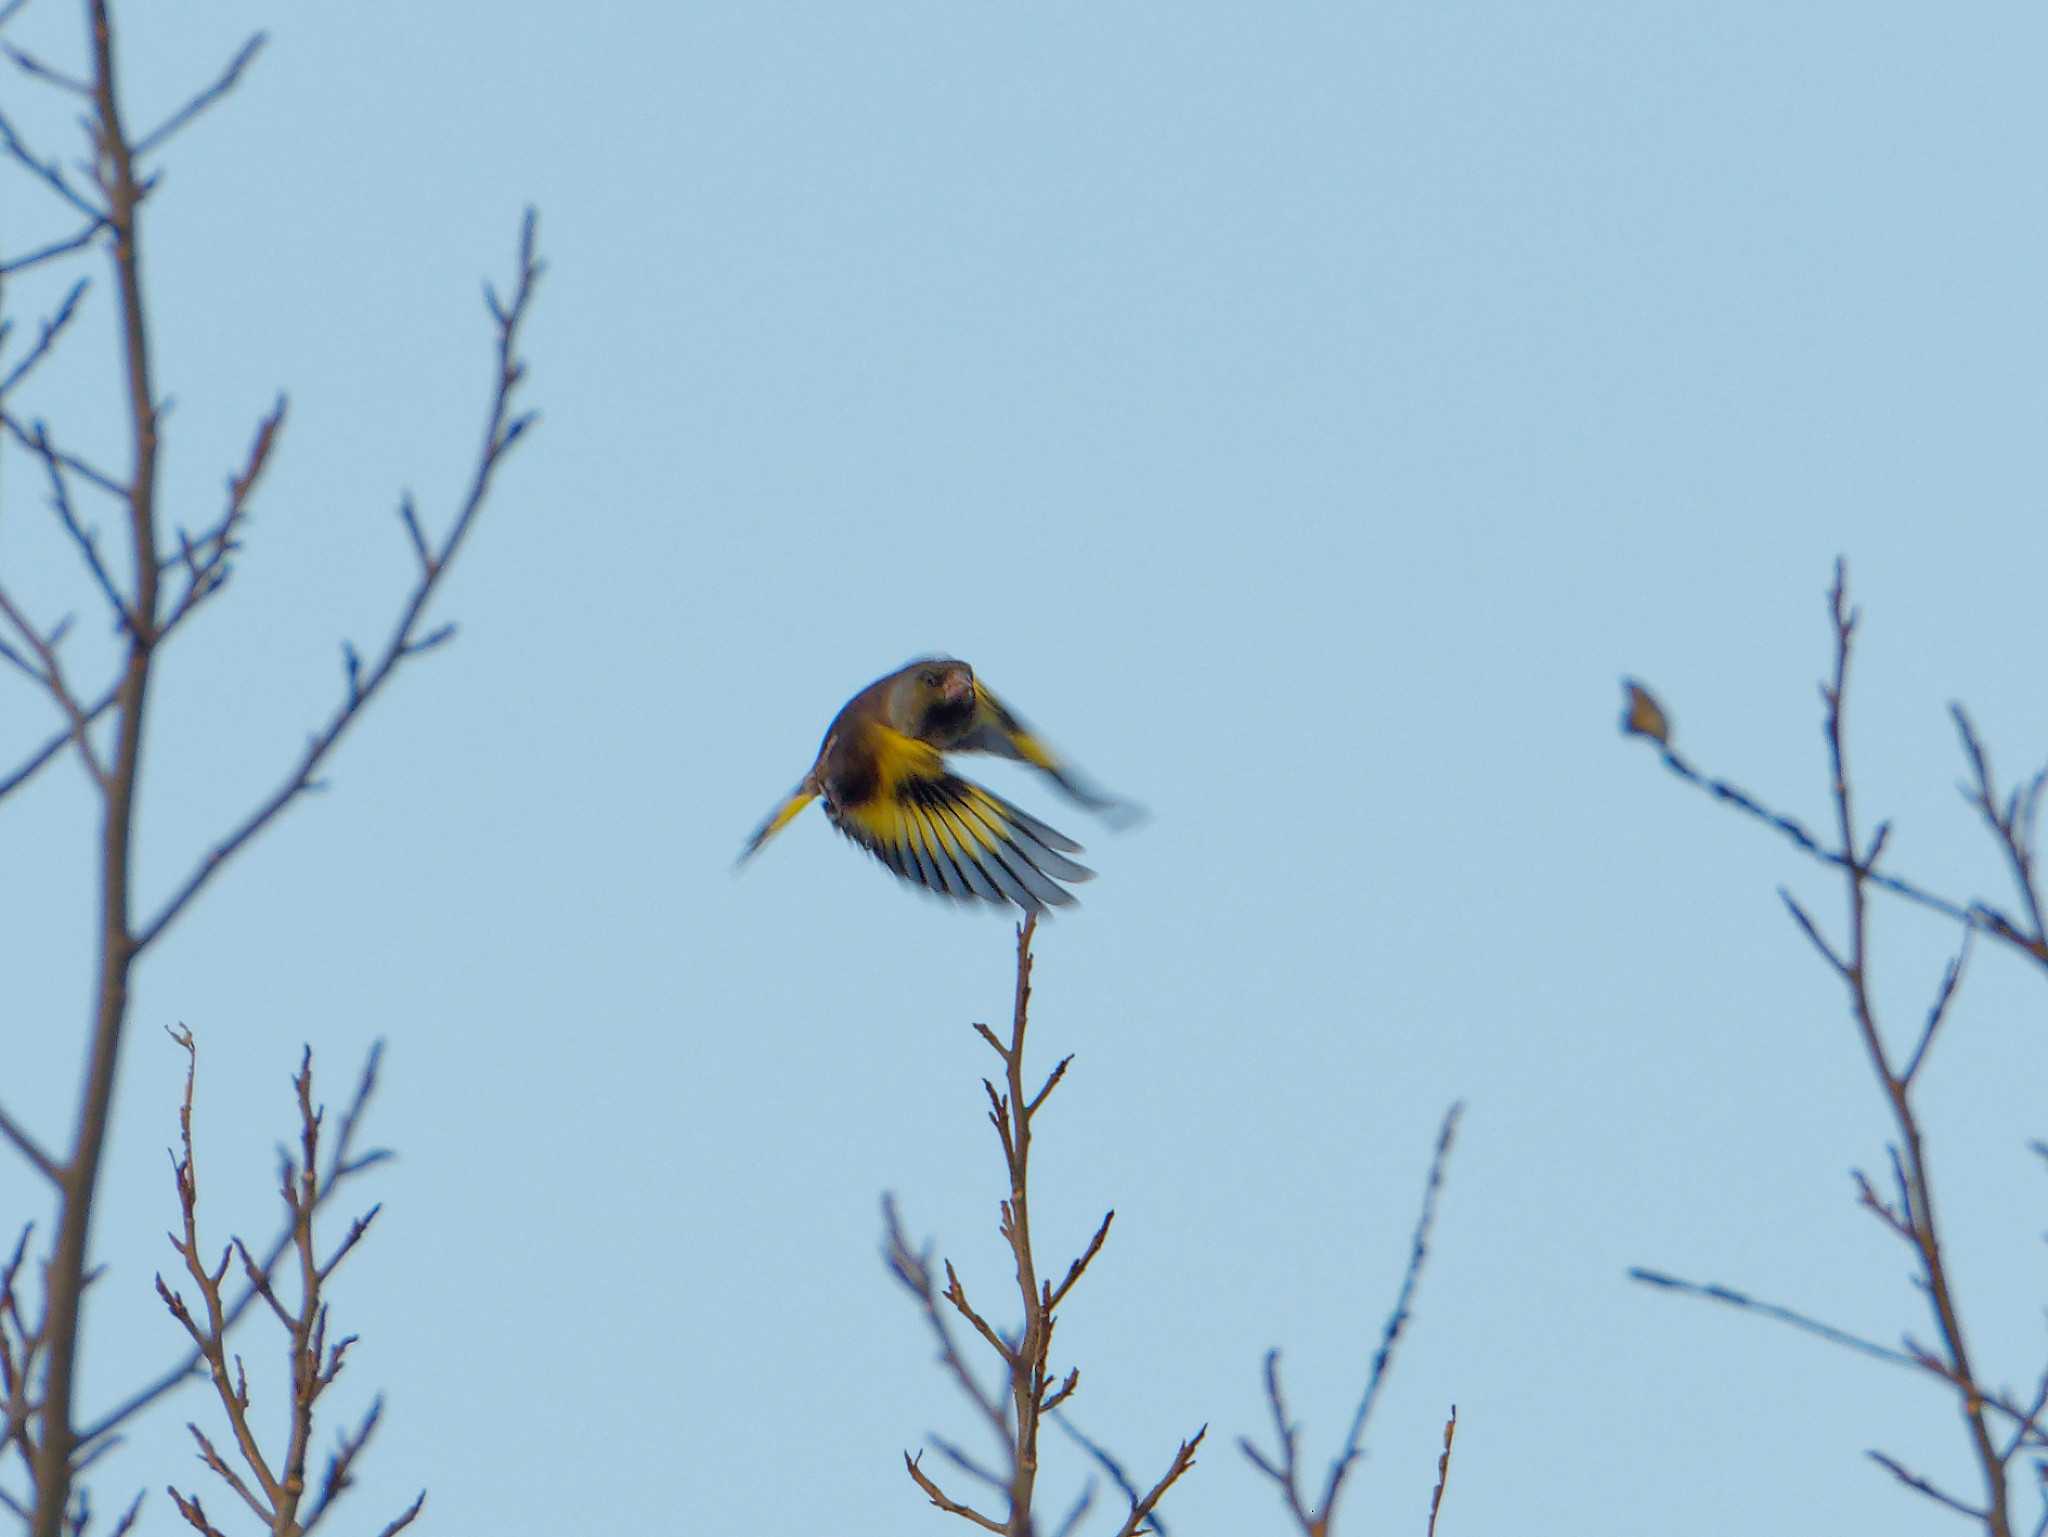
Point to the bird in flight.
(882, 775)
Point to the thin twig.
(1109, 1464)
(30, 1149)
(913, 1269)
(1443, 1471)
(1183, 1459)
(2012, 824)
(1920, 1485)
(76, 464)
(46, 336)
(1951, 979)
(945, 1502)
(344, 1163)
(88, 545)
(56, 250)
(1979, 914)
(58, 741)
(36, 69)
(45, 171)
(48, 672)
(1390, 1336)
(158, 136)
(1806, 1323)
(1283, 1466)
(1078, 1512)
(503, 429)
(2026, 1421)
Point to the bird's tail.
(778, 819)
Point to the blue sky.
(1304, 414)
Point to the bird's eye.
(930, 679)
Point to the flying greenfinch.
(882, 775)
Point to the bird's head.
(932, 696)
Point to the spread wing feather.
(952, 837)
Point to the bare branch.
(956, 1294)
(1075, 1270)
(1083, 1503)
(1034, 1392)
(409, 515)
(111, 696)
(88, 545)
(35, 69)
(406, 1517)
(1443, 1471)
(1951, 979)
(502, 430)
(344, 1164)
(56, 250)
(204, 562)
(1390, 1336)
(44, 171)
(209, 1333)
(939, 1498)
(1977, 913)
(1183, 1459)
(160, 135)
(48, 672)
(1284, 1467)
(1109, 1464)
(971, 1466)
(194, 1514)
(1920, 1485)
(1915, 1179)
(46, 336)
(30, 1149)
(74, 464)
(67, 1275)
(1910, 1213)
(276, 1497)
(225, 1472)
(127, 1522)
(913, 1269)
(2012, 824)
(1804, 1322)
(1812, 932)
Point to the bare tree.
(273, 1484)
(151, 575)
(1026, 1390)
(2002, 1429)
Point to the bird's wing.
(950, 836)
(779, 818)
(999, 730)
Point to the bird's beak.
(958, 689)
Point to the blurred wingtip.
(1122, 816)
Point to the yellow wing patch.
(939, 831)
